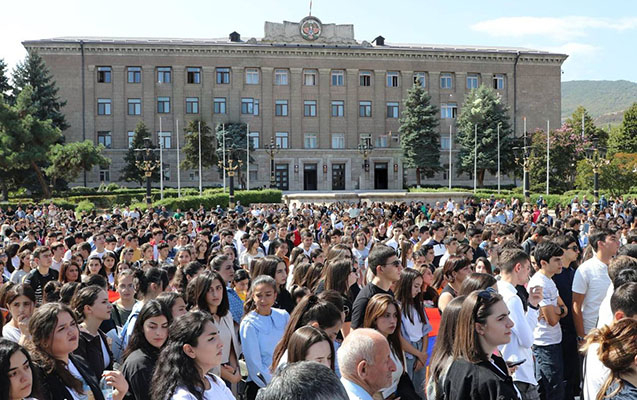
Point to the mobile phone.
(512, 364)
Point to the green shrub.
(84, 206)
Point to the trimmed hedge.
(84, 206)
(212, 200)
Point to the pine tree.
(130, 172)
(484, 107)
(4, 81)
(591, 132)
(191, 147)
(419, 138)
(623, 138)
(235, 142)
(34, 73)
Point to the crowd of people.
(473, 300)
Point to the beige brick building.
(309, 86)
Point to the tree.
(483, 107)
(4, 81)
(25, 139)
(130, 172)
(623, 139)
(617, 175)
(235, 142)
(420, 139)
(33, 72)
(591, 132)
(191, 147)
(67, 161)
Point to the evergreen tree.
(191, 147)
(235, 142)
(591, 132)
(483, 107)
(69, 160)
(33, 72)
(130, 172)
(4, 81)
(419, 138)
(623, 138)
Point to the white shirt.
(605, 312)
(395, 376)
(414, 331)
(595, 373)
(591, 279)
(544, 333)
(218, 391)
(519, 347)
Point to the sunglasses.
(395, 263)
(574, 248)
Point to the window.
(392, 110)
(364, 108)
(252, 76)
(164, 74)
(392, 79)
(165, 139)
(338, 140)
(366, 139)
(338, 108)
(223, 76)
(281, 140)
(192, 105)
(281, 108)
(338, 77)
(381, 141)
(498, 81)
(448, 110)
(309, 77)
(131, 136)
(134, 74)
(249, 106)
(194, 175)
(134, 106)
(104, 138)
(420, 79)
(105, 174)
(103, 106)
(193, 75)
(219, 105)
(309, 108)
(163, 105)
(280, 76)
(310, 141)
(365, 78)
(166, 171)
(254, 139)
(104, 74)
(446, 81)
(254, 174)
(472, 81)
(445, 143)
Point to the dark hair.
(620, 263)
(546, 250)
(265, 266)
(487, 264)
(87, 270)
(259, 280)
(313, 276)
(240, 275)
(218, 261)
(509, 258)
(404, 297)
(624, 299)
(68, 290)
(198, 289)
(174, 368)
(379, 255)
(97, 280)
(599, 235)
(151, 275)
(629, 249)
(7, 349)
(336, 273)
(476, 281)
(84, 297)
(168, 299)
(304, 338)
(51, 292)
(152, 308)
(454, 264)
(12, 291)
(63, 269)
(625, 276)
(183, 274)
(376, 307)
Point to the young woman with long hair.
(23, 268)
(309, 343)
(183, 370)
(360, 250)
(406, 253)
(123, 306)
(20, 301)
(340, 275)
(182, 257)
(16, 379)
(174, 302)
(148, 338)
(275, 267)
(109, 260)
(94, 266)
(69, 272)
(429, 293)
(251, 253)
(477, 281)
(455, 270)
(261, 329)
(185, 274)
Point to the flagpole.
(450, 146)
(161, 162)
(248, 157)
(475, 158)
(223, 141)
(178, 166)
(200, 177)
(548, 160)
(498, 158)
(524, 157)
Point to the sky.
(599, 37)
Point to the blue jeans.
(549, 371)
(418, 377)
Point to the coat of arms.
(310, 28)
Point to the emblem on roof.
(310, 28)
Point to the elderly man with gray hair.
(365, 363)
(304, 380)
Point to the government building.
(310, 88)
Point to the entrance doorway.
(310, 180)
(338, 176)
(380, 176)
(281, 176)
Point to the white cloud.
(560, 28)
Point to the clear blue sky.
(600, 37)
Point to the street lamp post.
(365, 149)
(230, 168)
(522, 158)
(147, 163)
(272, 149)
(596, 157)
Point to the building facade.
(310, 88)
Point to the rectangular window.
(281, 108)
(134, 106)
(104, 74)
(420, 79)
(280, 76)
(249, 106)
(223, 76)
(498, 81)
(166, 171)
(105, 174)
(192, 105)
(445, 144)
(194, 175)
(219, 105)
(309, 77)
(366, 139)
(382, 141)
(365, 78)
(310, 141)
(338, 77)
(338, 108)
(309, 108)
(134, 74)
(252, 76)
(104, 138)
(254, 139)
(163, 105)
(364, 108)
(281, 139)
(103, 106)
(392, 79)
(131, 136)
(446, 81)
(448, 110)
(472, 81)
(193, 75)
(164, 74)
(165, 139)
(392, 110)
(338, 140)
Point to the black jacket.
(52, 387)
(481, 381)
(138, 371)
(90, 349)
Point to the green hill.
(604, 100)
